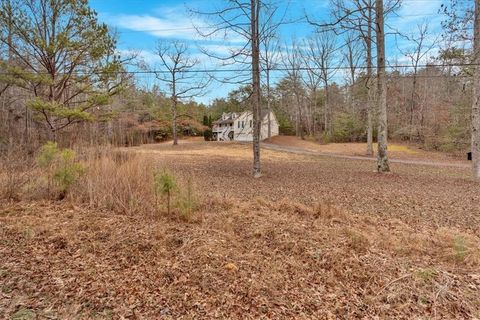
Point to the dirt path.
(296, 150)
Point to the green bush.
(47, 155)
(285, 127)
(68, 170)
(454, 136)
(347, 128)
(325, 137)
(208, 135)
(60, 167)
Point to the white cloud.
(167, 22)
(407, 20)
(412, 13)
(171, 27)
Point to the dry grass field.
(395, 150)
(315, 238)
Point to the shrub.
(285, 127)
(325, 137)
(179, 196)
(68, 170)
(45, 160)
(456, 138)
(47, 154)
(453, 136)
(208, 135)
(60, 166)
(347, 128)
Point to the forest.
(316, 94)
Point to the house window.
(250, 123)
(231, 124)
(243, 124)
(238, 124)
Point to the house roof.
(223, 121)
(263, 113)
(230, 118)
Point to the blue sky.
(141, 24)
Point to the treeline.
(430, 107)
(61, 79)
(132, 117)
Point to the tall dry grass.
(113, 180)
(17, 169)
(117, 181)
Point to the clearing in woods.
(315, 238)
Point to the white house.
(239, 126)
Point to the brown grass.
(241, 260)
(117, 181)
(396, 150)
(15, 172)
(315, 238)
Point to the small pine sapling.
(46, 159)
(67, 171)
(164, 183)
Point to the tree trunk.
(476, 96)
(269, 105)
(369, 85)
(382, 158)
(314, 110)
(255, 14)
(300, 117)
(328, 125)
(297, 127)
(174, 108)
(174, 121)
(413, 104)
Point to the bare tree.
(322, 46)
(256, 93)
(292, 61)
(181, 75)
(242, 18)
(421, 47)
(476, 95)
(269, 55)
(358, 15)
(382, 157)
(312, 80)
(367, 38)
(461, 17)
(352, 54)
